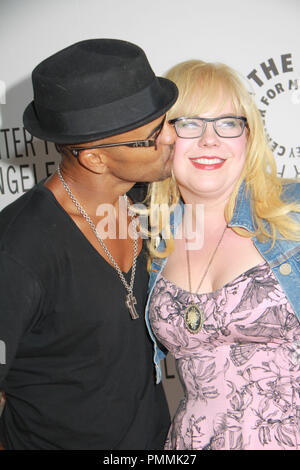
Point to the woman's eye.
(190, 124)
(228, 123)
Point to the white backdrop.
(259, 38)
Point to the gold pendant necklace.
(194, 315)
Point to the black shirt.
(79, 371)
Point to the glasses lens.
(189, 128)
(229, 127)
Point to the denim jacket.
(283, 258)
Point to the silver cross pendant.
(130, 302)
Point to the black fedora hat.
(94, 89)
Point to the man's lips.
(207, 163)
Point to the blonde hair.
(201, 86)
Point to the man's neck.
(90, 190)
(96, 196)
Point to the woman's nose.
(209, 136)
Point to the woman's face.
(209, 166)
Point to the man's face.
(141, 163)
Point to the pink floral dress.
(241, 371)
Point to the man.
(79, 371)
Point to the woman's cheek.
(179, 160)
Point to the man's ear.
(94, 160)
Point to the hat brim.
(33, 126)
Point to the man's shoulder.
(24, 218)
(12, 210)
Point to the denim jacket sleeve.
(284, 256)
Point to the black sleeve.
(20, 300)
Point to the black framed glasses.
(194, 127)
(149, 142)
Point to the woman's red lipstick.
(207, 163)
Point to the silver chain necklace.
(130, 299)
(194, 315)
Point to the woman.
(228, 309)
